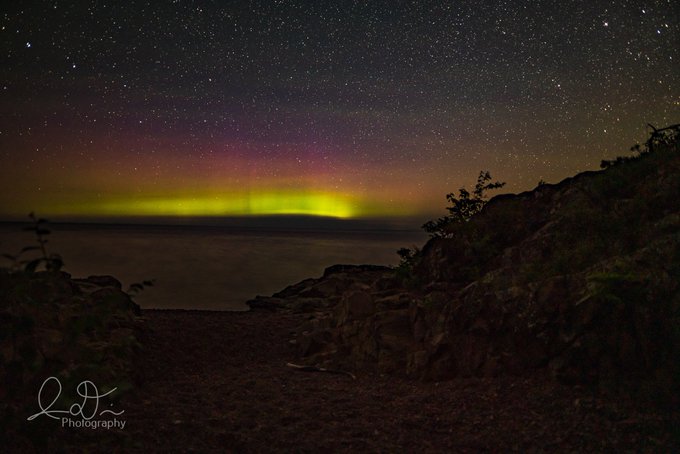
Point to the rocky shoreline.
(547, 322)
(360, 318)
(578, 280)
(218, 381)
(214, 381)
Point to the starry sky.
(336, 108)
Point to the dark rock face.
(72, 329)
(102, 281)
(579, 278)
(106, 290)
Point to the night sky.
(339, 108)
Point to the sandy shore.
(218, 381)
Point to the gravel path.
(218, 381)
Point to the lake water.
(215, 267)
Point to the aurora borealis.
(332, 108)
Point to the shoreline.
(211, 381)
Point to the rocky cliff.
(52, 325)
(580, 279)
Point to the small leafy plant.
(52, 325)
(463, 207)
(663, 137)
(52, 262)
(137, 287)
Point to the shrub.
(52, 325)
(463, 207)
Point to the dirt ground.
(218, 381)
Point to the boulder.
(355, 305)
(265, 303)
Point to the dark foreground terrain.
(218, 381)
(544, 322)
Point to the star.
(354, 99)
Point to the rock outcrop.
(580, 279)
(52, 325)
